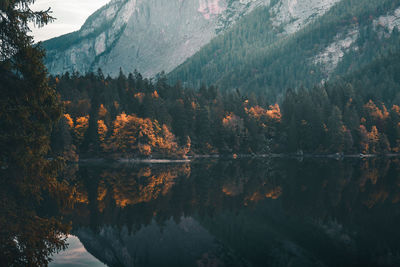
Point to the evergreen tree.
(29, 109)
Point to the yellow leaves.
(139, 96)
(121, 119)
(271, 191)
(256, 112)
(232, 121)
(101, 191)
(233, 188)
(145, 172)
(155, 94)
(80, 196)
(396, 109)
(81, 125)
(102, 130)
(188, 145)
(373, 138)
(130, 134)
(169, 139)
(102, 111)
(274, 193)
(69, 120)
(146, 185)
(228, 118)
(375, 112)
(82, 122)
(134, 134)
(145, 149)
(364, 139)
(273, 113)
(369, 140)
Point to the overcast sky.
(70, 14)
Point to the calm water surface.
(279, 212)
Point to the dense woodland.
(256, 56)
(30, 231)
(47, 120)
(130, 116)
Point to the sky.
(70, 15)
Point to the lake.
(244, 212)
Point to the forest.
(256, 56)
(47, 121)
(130, 116)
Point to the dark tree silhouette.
(28, 110)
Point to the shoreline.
(189, 159)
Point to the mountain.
(170, 244)
(157, 35)
(263, 46)
(266, 52)
(148, 35)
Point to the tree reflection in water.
(244, 212)
(260, 212)
(31, 229)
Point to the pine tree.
(29, 109)
(336, 130)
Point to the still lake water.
(259, 212)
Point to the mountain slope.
(259, 55)
(147, 35)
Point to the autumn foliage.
(131, 116)
(135, 135)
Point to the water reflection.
(32, 201)
(260, 212)
(75, 255)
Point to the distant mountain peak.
(158, 35)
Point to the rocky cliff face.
(148, 35)
(292, 15)
(159, 35)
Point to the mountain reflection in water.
(260, 212)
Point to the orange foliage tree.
(135, 135)
(375, 115)
(81, 125)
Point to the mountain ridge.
(136, 34)
(348, 36)
(142, 35)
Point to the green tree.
(336, 130)
(29, 109)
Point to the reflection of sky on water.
(279, 212)
(75, 255)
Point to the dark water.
(279, 212)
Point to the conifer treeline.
(257, 56)
(130, 116)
